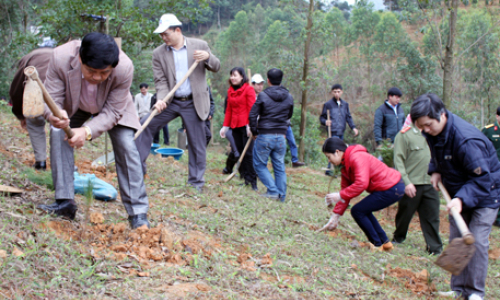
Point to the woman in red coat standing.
(362, 171)
(240, 99)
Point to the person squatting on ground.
(467, 164)
(269, 119)
(389, 117)
(411, 159)
(91, 79)
(339, 116)
(492, 132)
(142, 101)
(38, 58)
(362, 171)
(258, 86)
(191, 101)
(240, 99)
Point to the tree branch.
(477, 41)
(440, 43)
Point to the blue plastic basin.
(154, 146)
(166, 152)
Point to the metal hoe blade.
(456, 256)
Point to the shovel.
(460, 250)
(236, 168)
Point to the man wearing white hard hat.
(191, 101)
(258, 86)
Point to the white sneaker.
(475, 297)
(450, 294)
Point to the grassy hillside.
(226, 243)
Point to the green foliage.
(386, 151)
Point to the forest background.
(365, 50)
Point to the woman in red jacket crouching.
(362, 171)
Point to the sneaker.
(475, 297)
(450, 294)
(386, 247)
(270, 196)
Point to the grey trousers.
(36, 130)
(128, 168)
(473, 278)
(195, 131)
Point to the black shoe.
(254, 186)
(497, 223)
(40, 165)
(65, 208)
(138, 220)
(226, 171)
(298, 164)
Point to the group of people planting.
(90, 82)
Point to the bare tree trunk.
(448, 58)
(303, 115)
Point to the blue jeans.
(274, 146)
(291, 143)
(362, 212)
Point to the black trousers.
(246, 169)
(426, 202)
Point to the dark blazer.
(38, 58)
(164, 74)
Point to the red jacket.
(239, 104)
(362, 171)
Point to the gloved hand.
(332, 199)
(333, 222)
(249, 132)
(223, 131)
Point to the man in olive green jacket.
(411, 159)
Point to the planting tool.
(32, 74)
(236, 168)
(460, 250)
(154, 111)
(329, 126)
(33, 104)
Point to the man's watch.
(88, 137)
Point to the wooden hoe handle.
(154, 111)
(462, 227)
(242, 155)
(32, 73)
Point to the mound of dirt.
(418, 282)
(117, 241)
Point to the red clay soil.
(418, 282)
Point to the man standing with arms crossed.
(191, 101)
(90, 81)
(467, 164)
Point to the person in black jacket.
(156, 137)
(467, 164)
(339, 116)
(389, 117)
(269, 122)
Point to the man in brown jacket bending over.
(90, 82)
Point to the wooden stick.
(249, 76)
(235, 168)
(329, 126)
(32, 73)
(154, 111)
(462, 226)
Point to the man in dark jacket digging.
(467, 164)
(269, 122)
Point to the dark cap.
(394, 91)
(333, 144)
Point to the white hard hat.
(257, 78)
(166, 21)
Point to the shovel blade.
(456, 256)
